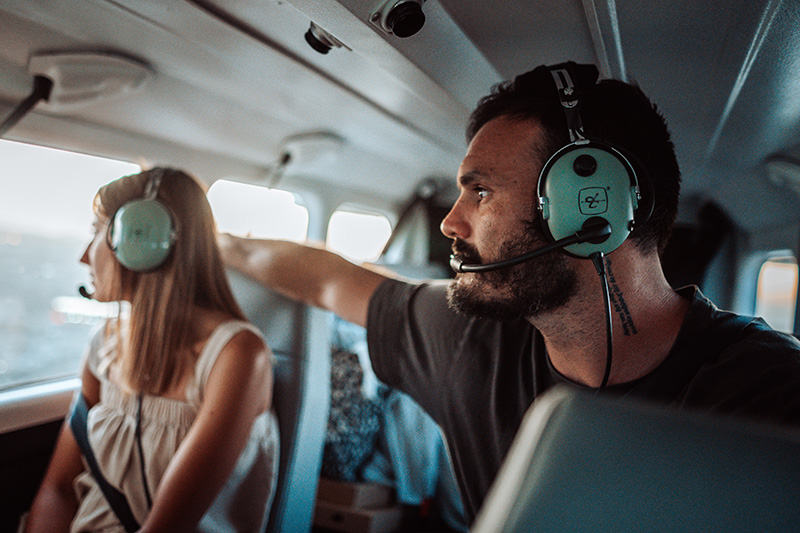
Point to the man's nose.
(455, 225)
(85, 257)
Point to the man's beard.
(526, 290)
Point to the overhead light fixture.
(85, 78)
(319, 147)
(401, 18)
(316, 149)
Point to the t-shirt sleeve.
(756, 378)
(413, 335)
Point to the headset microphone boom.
(595, 230)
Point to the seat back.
(585, 463)
(299, 336)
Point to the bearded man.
(476, 351)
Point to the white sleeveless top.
(244, 502)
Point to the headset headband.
(568, 97)
(153, 183)
(587, 179)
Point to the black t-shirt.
(477, 377)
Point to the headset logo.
(138, 234)
(593, 201)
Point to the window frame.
(777, 257)
(359, 209)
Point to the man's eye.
(482, 193)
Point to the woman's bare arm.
(55, 504)
(239, 388)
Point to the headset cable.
(599, 264)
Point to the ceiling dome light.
(82, 79)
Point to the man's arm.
(311, 275)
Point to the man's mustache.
(466, 252)
(469, 254)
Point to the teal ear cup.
(142, 235)
(588, 179)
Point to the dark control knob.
(585, 165)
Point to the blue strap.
(117, 501)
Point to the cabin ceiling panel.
(235, 78)
(725, 74)
(518, 36)
(217, 89)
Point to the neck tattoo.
(618, 303)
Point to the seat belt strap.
(78, 423)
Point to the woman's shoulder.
(207, 321)
(222, 335)
(232, 345)
(225, 328)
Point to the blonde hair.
(156, 349)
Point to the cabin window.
(358, 234)
(45, 225)
(256, 211)
(776, 296)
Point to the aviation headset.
(142, 232)
(588, 180)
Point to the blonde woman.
(178, 388)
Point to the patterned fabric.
(354, 420)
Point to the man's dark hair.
(612, 111)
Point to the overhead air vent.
(322, 41)
(401, 18)
(86, 78)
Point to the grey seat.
(299, 336)
(585, 463)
